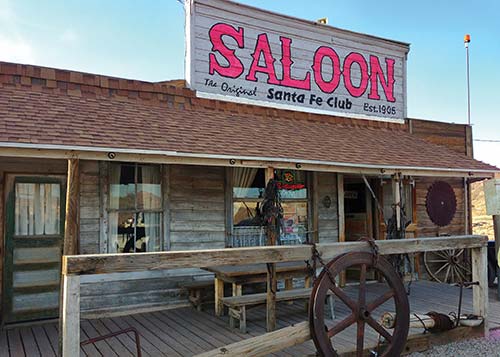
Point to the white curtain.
(37, 209)
(150, 190)
(242, 180)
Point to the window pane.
(246, 214)
(292, 183)
(148, 231)
(121, 232)
(122, 186)
(37, 209)
(131, 232)
(248, 182)
(294, 223)
(148, 187)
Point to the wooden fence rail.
(75, 265)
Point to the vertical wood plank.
(396, 191)
(166, 206)
(228, 204)
(69, 320)
(272, 286)
(315, 207)
(72, 225)
(480, 292)
(341, 213)
(496, 233)
(219, 294)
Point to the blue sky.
(145, 40)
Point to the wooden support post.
(272, 286)
(480, 292)
(219, 294)
(69, 320)
(69, 295)
(397, 199)
(341, 213)
(72, 225)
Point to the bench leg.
(219, 294)
(198, 299)
(243, 319)
(289, 286)
(331, 304)
(233, 316)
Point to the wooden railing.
(73, 266)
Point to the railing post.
(480, 292)
(69, 317)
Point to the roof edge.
(110, 154)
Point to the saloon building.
(180, 165)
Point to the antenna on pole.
(466, 43)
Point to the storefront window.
(248, 193)
(293, 191)
(135, 208)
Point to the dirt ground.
(481, 222)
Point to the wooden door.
(34, 239)
(356, 212)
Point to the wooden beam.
(69, 320)
(71, 230)
(266, 344)
(129, 262)
(480, 300)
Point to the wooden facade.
(195, 217)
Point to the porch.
(186, 332)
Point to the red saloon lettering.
(371, 71)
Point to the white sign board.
(239, 53)
(492, 196)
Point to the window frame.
(136, 210)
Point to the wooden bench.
(195, 289)
(237, 304)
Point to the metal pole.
(466, 42)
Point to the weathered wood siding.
(89, 207)
(194, 217)
(328, 220)
(21, 166)
(453, 136)
(196, 202)
(425, 227)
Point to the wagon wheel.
(361, 310)
(448, 266)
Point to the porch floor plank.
(186, 332)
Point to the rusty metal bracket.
(114, 334)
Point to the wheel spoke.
(379, 301)
(447, 272)
(343, 296)
(459, 274)
(342, 325)
(360, 338)
(376, 326)
(464, 268)
(442, 254)
(438, 261)
(362, 286)
(460, 252)
(439, 270)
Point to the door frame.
(9, 206)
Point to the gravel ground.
(485, 347)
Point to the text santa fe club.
(369, 68)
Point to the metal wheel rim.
(447, 266)
(321, 335)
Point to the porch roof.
(44, 108)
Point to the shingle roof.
(46, 106)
